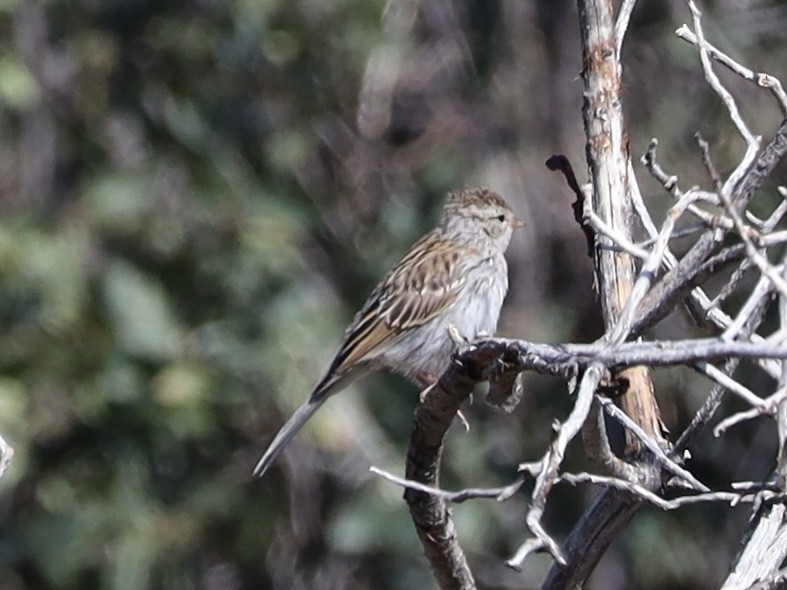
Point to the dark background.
(196, 195)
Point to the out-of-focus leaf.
(49, 536)
(97, 54)
(141, 314)
(180, 389)
(180, 384)
(120, 382)
(280, 47)
(13, 402)
(366, 524)
(134, 554)
(118, 200)
(273, 239)
(8, 5)
(56, 263)
(186, 122)
(301, 320)
(18, 88)
(287, 149)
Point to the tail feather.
(332, 383)
(289, 430)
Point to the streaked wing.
(426, 282)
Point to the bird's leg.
(427, 381)
(459, 340)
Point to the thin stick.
(761, 79)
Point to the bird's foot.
(456, 337)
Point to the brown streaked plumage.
(455, 276)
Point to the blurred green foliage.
(195, 196)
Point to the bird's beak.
(516, 222)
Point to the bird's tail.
(290, 429)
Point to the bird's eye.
(501, 218)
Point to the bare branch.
(769, 406)
(652, 446)
(599, 449)
(707, 160)
(731, 498)
(723, 379)
(621, 25)
(751, 318)
(649, 269)
(766, 548)
(670, 184)
(562, 359)
(560, 163)
(602, 228)
(6, 456)
(430, 513)
(766, 268)
(752, 141)
(500, 494)
(550, 466)
(761, 79)
(776, 580)
(680, 280)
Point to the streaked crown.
(474, 197)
